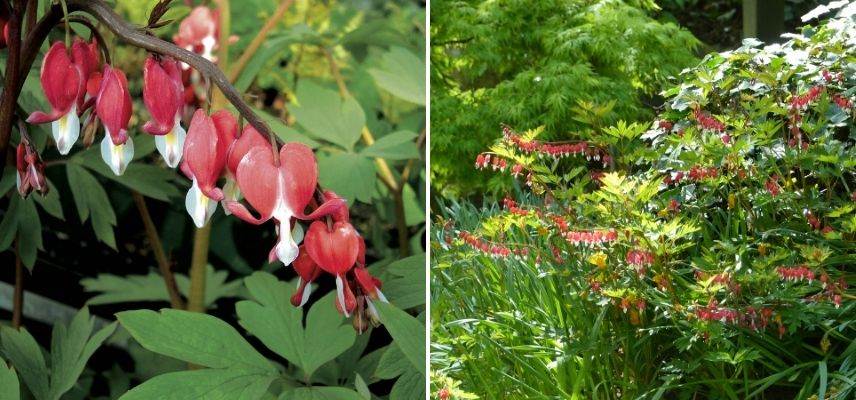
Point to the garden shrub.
(709, 254)
(574, 55)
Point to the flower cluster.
(496, 162)
(696, 174)
(708, 123)
(772, 185)
(796, 273)
(275, 183)
(512, 206)
(801, 102)
(590, 238)
(639, 257)
(555, 150)
(491, 249)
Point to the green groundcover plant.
(285, 131)
(707, 255)
(530, 63)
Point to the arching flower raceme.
(63, 83)
(249, 139)
(280, 192)
(205, 149)
(307, 271)
(113, 107)
(163, 95)
(335, 249)
(30, 170)
(198, 32)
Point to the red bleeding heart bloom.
(113, 107)
(205, 149)
(198, 32)
(63, 84)
(163, 95)
(30, 170)
(280, 192)
(335, 249)
(307, 271)
(249, 139)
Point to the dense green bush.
(530, 63)
(709, 255)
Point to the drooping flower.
(113, 107)
(63, 83)
(85, 56)
(205, 148)
(249, 139)
(198, 32)
(30, 170)
(280, 192)
(335, 249)
(163, 95)
(307, 271)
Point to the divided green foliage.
(527, 64)
(708, 254)
(71, 348)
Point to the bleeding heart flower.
(249, 139)
(63, 83)
(342, 213)
(113, 107)
(85, 56)
(369, 284)
(335, 249)
(30, 170)
(198, 32)
(307, 272)
(163, 95)
(208, 141)
(280, 192)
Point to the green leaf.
(402, 73)
(362, 388)
(205, 384)
(9, 225)
(50, 202)
(71, 348)
(279, 325)
(395, 146)
(133, 288)
(350, 175)
(320, 393)
(150, 180)
(411, 385)
(407, 331)
(283, 131)
(21, 349)
(406, 287)
(7, 181)
(9, 383)
(392, 363)
(325, 115)
(414, 210)
(197, 338)
(29, 232)
(91, 199)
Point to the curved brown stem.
(12, 82)
(155, 243)
(138, 37)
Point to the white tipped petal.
(380, 296)
(340, 295)
(297, 233)
(18, 180)
(117, 157)
(307, 291)
(171, 145)
(286, 248)
(199, 207)
(231, 192)
(66, 130)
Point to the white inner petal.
(117, 157)
(198, 205)
(171, 145)
(286, 248)
(307, 291)
(66, 130)
(340, 295)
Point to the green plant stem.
(199, 260)
(160, 256)
(18, 297)
(257, 41)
